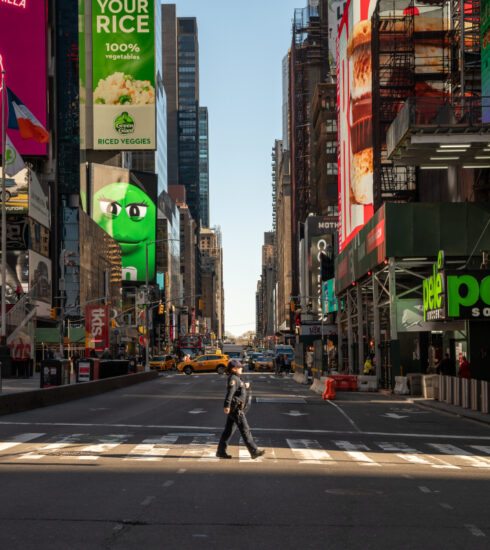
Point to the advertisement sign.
(40, 282)
(123, 45)
(97, 327)
(23, 57)
(17, 193)
(355, 116)
(485, 60)
(124, 205)
(330, 303)
(335, 12)
(38, 200)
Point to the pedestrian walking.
(445, 366)
(464, 368)
(235, 406)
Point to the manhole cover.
(296, 400)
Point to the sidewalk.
(441, 406)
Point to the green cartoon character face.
(129, 215)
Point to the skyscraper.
(204, 166)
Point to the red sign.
(97, 327)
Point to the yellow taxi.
(163, 362)
(263, 363)
(205, 363)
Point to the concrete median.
(27, 400)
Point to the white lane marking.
(446, 506)
(182, 471)
(442, 464)
(45, 450)
(168, 483)
(349, 419)
(153, 449)
(482, 448)
(473, 529)
(461, 454)
(352, 449)
(18, 439)
(147, 501)
(424, 489)
(197, 411)
(201, 448)
(270, 430)
(409, 454)
(308, 451)
(105, 444)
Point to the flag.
(13, 161)
(20, 118)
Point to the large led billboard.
(355, 116)
(485, 60)
(23, 58)
(124, 205)
(123, 74)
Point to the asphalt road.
(136, 468)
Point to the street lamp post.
(147, 310)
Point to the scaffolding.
(412, 49)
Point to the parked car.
(204, 363)
(163, 362)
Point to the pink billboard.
(23, 58)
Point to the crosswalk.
(182, 447)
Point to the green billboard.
(123, 74)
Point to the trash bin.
(55, 372)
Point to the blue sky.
(241, 47)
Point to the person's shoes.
(223, 455)
(257, 454)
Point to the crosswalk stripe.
(352, 450)
(18, 439)
(461, 454)
(105, 444)
(482, 448)
(309, 451)
(153, 449)
(201, 448)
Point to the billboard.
(23, 57)
(123, 74)
(40, 282)
(124, 205)
(485, 60)
(355, 115)
(97, 327)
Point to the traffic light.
(161, 309)
(292, 304)
(297, 321)
(52, 313)
(201, 304)
(113, 323)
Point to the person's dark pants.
(234, 420)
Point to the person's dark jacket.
(235, 388)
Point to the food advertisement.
(485, 60)
(124, 205)
(123, 44)
(23, 58)
(355, 116)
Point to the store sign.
(456, 294)
(97, 327)
(433, 292)
(123, 44)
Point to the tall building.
(188, 111)
(204, 166)
(212, 279)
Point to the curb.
(28, 400)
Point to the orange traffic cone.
(329, 392)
